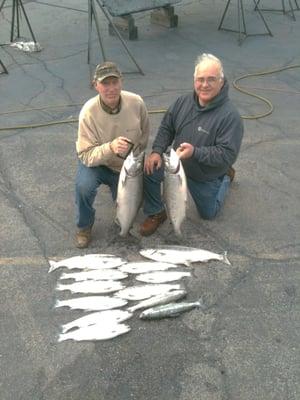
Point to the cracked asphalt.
(245, 345)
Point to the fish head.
(134, 165)
(172, 162)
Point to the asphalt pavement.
(245, 344)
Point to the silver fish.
(174, 190)
(88, 261)
(92, 287)
(108, 317)
(169, 310)
(92, 303)
(162, 276)
(130, 191)
(182, 255)
(145, 266)
(145, 291)
(95, 332)
(95, 274)
(159, 299)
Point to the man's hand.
(185, 150)
(119, 145)
(152, 162)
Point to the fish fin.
(174, 315)
(225, 259)
(180, 177)
(53, 265)
(123, 180)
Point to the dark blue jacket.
(215, 131)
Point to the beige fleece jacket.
(97, 129)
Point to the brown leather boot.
(231, 173)
(83, 237)
(152, 222)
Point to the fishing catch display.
(104, 287)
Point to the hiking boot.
(83, 237)
(231, 173)
(152, 222)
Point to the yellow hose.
(263, 99)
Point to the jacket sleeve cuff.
(157, 150)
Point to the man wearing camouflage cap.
(109, 124)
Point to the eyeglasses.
(210, 80)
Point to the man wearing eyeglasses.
(110, 124)
(206, 130)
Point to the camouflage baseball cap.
(105, 70)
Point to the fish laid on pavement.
(88, 261)
(161, 276)
(170, 310)
(145, 291)
(92, 303)
(130, 191)
(182, 255)
(92, 287)
(95, 332)
(174, 190)
(145, 266)
(159, 299)
(107, 318)
(96, 275)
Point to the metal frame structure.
(242, 30)
(4, 68)
(92, 15)
(283, 10)
(17, 8)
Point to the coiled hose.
(160, 111)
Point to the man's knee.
(84, 188)
(208, 214)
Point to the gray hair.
(211, 58)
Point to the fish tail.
(59, 287)
(53, 265)
(57, 304)
(65, 328)
(123, 233)
(61, 337)
(225, 259)
(178, 233)
(200, 303)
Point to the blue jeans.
(88, 180)
(208, 196)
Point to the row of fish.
(130, 191)
(105, 273)
(108, 324)
(167, 256)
